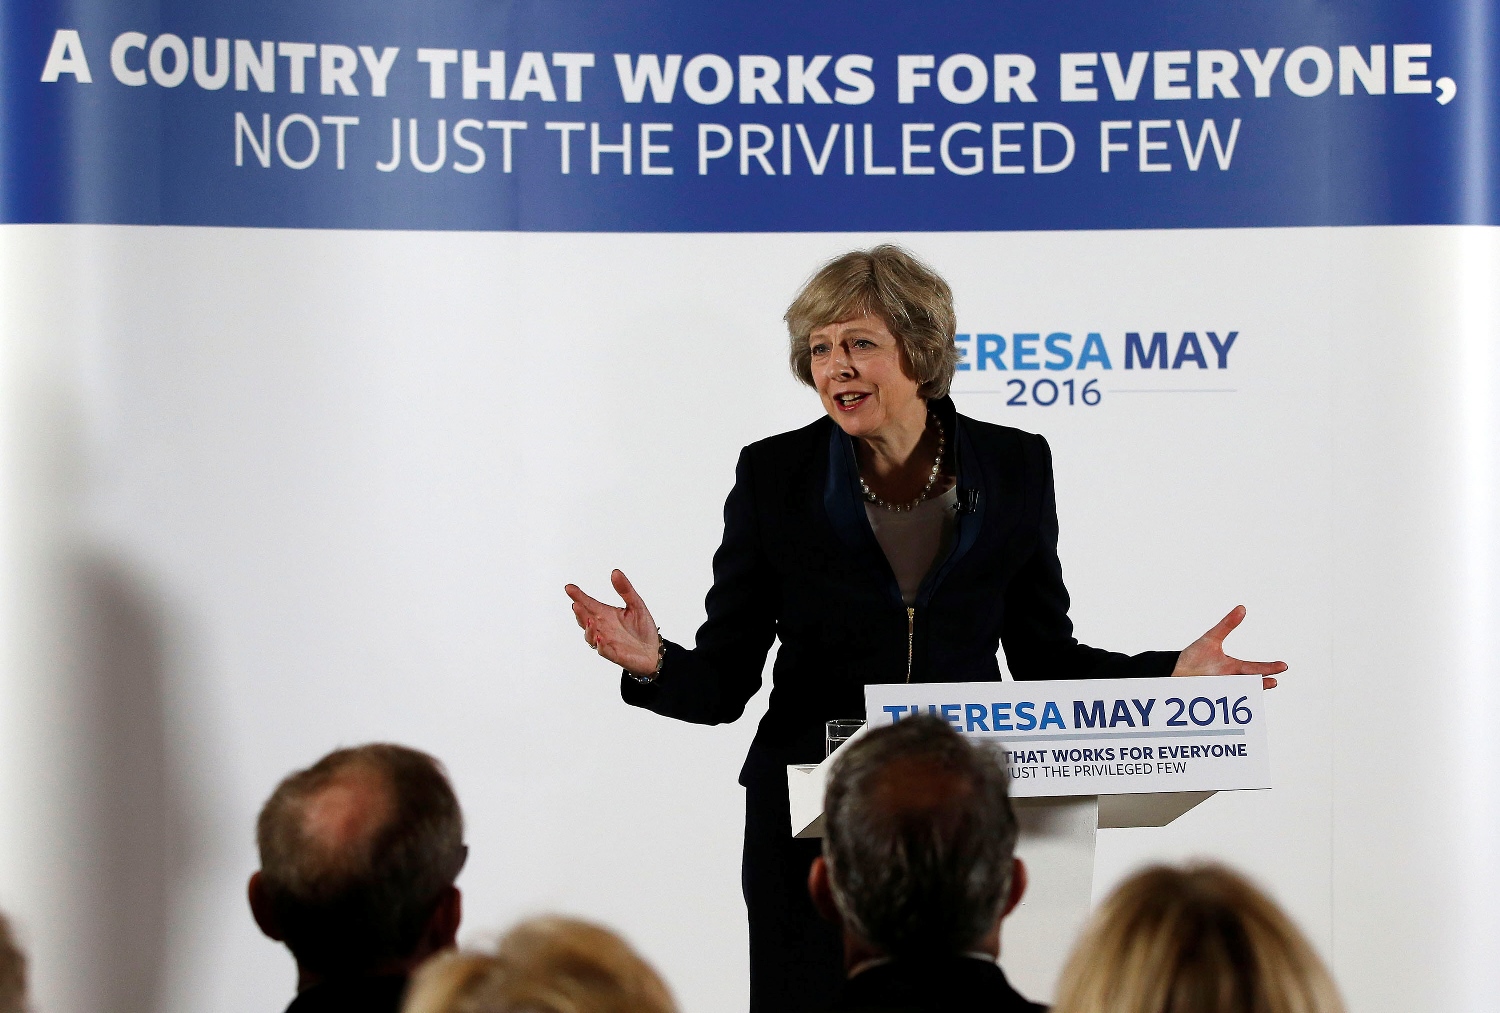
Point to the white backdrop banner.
(336, 338)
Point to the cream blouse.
(913, 540)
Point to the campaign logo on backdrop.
(1046, 369)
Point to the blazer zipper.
(911, 634)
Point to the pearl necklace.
(932, 476)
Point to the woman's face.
(858, 371)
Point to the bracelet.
(661, 658)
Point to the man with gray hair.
(358, 856)
(919, 869)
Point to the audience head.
(358, 856)
(12, 972)
(918, 853)
(546, 965)
(1196, 940)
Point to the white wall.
(268, 492)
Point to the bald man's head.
(919, 839)
(356, 853)
(340, 821)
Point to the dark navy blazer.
(959, 984)
(799, 563)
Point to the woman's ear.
(821, 890)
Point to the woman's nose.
(843, 369)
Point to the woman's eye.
(864, 343)
(820, 349)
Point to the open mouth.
(849, 401)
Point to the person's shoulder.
(377, 994)
(994, 434)
(1008, 448)
(784, 449)
(955, 984)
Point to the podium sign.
(1102, 737)
(1083, 756)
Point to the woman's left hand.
(1205, 656)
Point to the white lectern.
(1083, 756)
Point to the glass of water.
(839, 731)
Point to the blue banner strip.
(687, 117)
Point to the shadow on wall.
(141, 831)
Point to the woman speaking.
(892, 541)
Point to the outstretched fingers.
(626, 590)
(1226, 625)
(1238, 667)
(586, 608)
(591, 611)
(576, 593)
(1267, 670)
(620, 635)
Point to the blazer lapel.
(989, 508)
(845, 507)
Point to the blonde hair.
(1201, 939)
(888, 282)
(545, 965)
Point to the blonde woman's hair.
(447, 983)
(1200, 939)
(887, 282)
(545, 965)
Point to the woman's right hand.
(626, 636)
